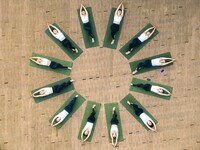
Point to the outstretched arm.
(36, 93)
(52, 122)
(34, 59)
(171, 60)
(147, 30)
(87, 137)
(118, 7)
(122, 9)
(165, 90)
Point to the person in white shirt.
(143, 116)
(60, 36)
(87, 130)
(143, 37)
(86, 22)
(156, 62)
(118, 16)
(46, 62)
(50, 90)
(63, 114)
(114, 128)
(152, 88)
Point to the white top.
(156, 62)
(154, 88)
(85, 18)
(114, 128)
(63, 114)
(48, 90)
(143, 37)
(117, 19)
(45, 62)
(89, 125)
(60, 36)
(145, 118)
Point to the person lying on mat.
(46, 62)
(60, 36)
(119, 13)
(114, 128)
(63, 114)
(155, 89)
(86, 132)
(85, 20)
(139, 40)
(156, 62)
(144, 117)
(50, 90)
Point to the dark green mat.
(69, 88)
(126, 46)
(131, 110)
(108, 38)
(87, 113)
(79, 102)
(140, 90)
(108, 111)
(87, 39)
(134, 64)
(69, 52)
(59, 70)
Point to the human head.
(114, 135)
(42, 92)
(83, 12)
(150, 124)
(39, 60)
(55, 31)
(86, 132)
(58, 119)
(119, 12)
(148, 33)
(162, 60)
(160, 90)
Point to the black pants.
(55, 65)
(70, 106)
(138, 111)
(91, 118)
(66, 43)
(114, 119)
(145, 64)
(59, 88)
(114, 30)
(135, 43)
(146, 87)
(88, 28)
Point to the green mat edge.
(86, 115)
(131, 111)
(88, 43)
(139, 90)
(80, 100)
(109, 117)
(63, 62)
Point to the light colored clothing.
(48, 90)
(154, 88)
(114, 128)
(145, 118)
(45, 62)
(89, 126)
(63, 114)
(143, 37)
(117, 19)
(85, 19)
(60, 36)
(156, 62)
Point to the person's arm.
(87, 137)
(116, 140)
(122, 10)
(82, 133)
(171, 60)
(54, 119)
(85, 10)
(118, 8)
(37, 93)
(81, 10)
(147, 30)
(59, 32)
(165, 90)
(154, 126)
(111, 138)
(34, 59)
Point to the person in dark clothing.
(146, 87)
(59, 88)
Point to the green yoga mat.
(69, 88)
(131, 110)
(108, 38)
(87, 39)
(79, 102)
(69, 52)
(108, 111)
(126, 46)
(140, 90)
(59, 70)
(87, 113)
(134, 64)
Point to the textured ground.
(100, 74)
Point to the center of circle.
(102, 75)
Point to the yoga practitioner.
(63, 114)
(139, 40)
(118, 16)
(60, 36)
(46, 62)
(155, 89)
(114, 127)
(50, 90)
(144, 117)
(87, 130)
(156, 62)
(85, 20)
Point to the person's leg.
(137, 110)
(91, 118)
(114, 30)
(58, 88)
(135, 43)
(55, 65)
(88, 28)
(70, 106)
(66, 43)
(114, 119)
(146, 87)
(147, 63)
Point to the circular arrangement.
(93, 108)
